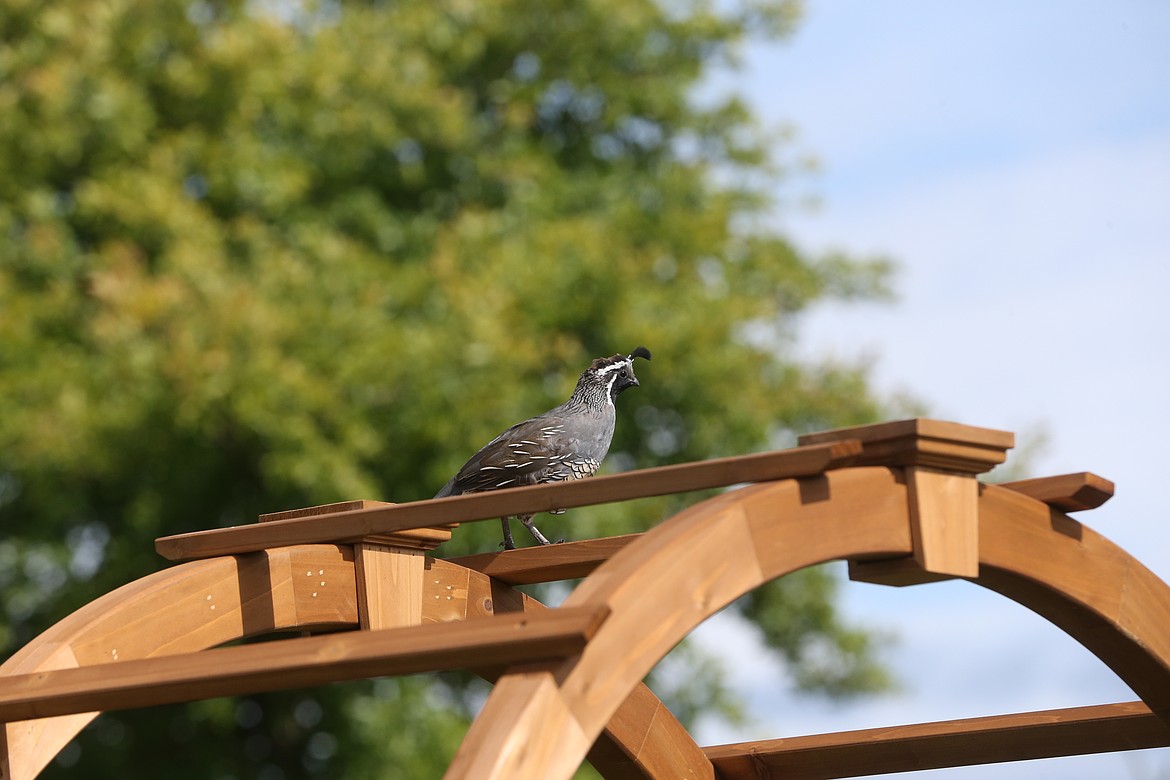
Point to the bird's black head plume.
(639, 352)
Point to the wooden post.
(389, 567)
(940, 461)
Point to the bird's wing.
(525, 454)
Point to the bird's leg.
(536, 534)
(508, 543)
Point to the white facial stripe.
(614, 367)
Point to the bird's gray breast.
(577, 443)
(589, 435)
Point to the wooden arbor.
(899, 501)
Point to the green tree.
(266, 255)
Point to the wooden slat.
(1067, 492)
(416, 538)
(1048, 734)
(298, 663)
(355, 524)
(550, 563)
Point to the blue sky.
(1014, 159)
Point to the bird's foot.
(507, 544)
(536, 534)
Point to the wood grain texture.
(1066, 492)
(389, 585)
(944, 521)
(298, 663)
(1075, 731)
(540, 739)
(355, 524)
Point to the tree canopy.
(264, 255)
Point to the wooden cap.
(937, 444)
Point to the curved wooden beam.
(198, 605)
(538, 723)
(182, 609)
(1095, 591)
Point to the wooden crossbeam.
(1066, 492)
(551, 563)
(298, 663)
(664, 480)
(1048, 734)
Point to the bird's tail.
(448, 489)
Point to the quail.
(568, 442)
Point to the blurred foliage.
(262, 255)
